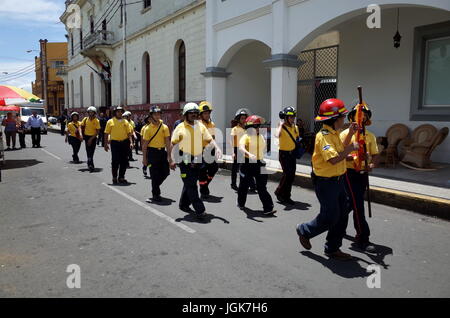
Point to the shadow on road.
(190, 217)
(252, 214)
(297, 206)
(96, 170)
(378, 257)
(17, 164)
(164, 202)
(346, 269)
(213, 199)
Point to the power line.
(11, 73)
(17, 73)
(14, 78)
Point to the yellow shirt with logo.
(236, 133)
(372, 147)
(328, 145)
(90, 126)
(119, 129)
(159, 141)
(212, 131)
(286, 142)
(72, 128)
(191, 138)
(255, 144)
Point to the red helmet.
(254, 120)
(331, 108)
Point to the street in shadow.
(164, 202)
(17, 164)
(253, 214)
(297, 206)
(96, 170)
(192, 218)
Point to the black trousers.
(248, 172)
(119, 157)
(130, 151)
(356, 185)
(189, 195)
(235, 170)
(90, 150)
(76, 144)
(159, 168)
(63, 129)
(22, 140)
(36, 136)
(101, 137)
(137, 143)
(288, 164)
(207, 173)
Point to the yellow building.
(55, 55)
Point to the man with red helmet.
(252, 145)
(329, 168)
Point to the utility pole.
(44, 83)
(124, 43)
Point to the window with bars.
(147, 4)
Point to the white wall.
(367, 57)
(249, 82)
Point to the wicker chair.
(388, 145)
(419, 149)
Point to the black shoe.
(185, 208)
(366, 247)
(234, 187)
(201, 216)
(241, 207)
(269, 211)
(289, 201)
(339, 256)
(204, 196)
(252, 191)
(8, 149)
(132, 159)
(123, 181)
(91, 169)
(157, 198)
(280, 198)
(115, 181)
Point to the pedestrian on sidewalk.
(237, 131)
(329, 167)
(253, 145)
(118, 134)
(142, 133)
(35, 123)
(210, 166)
(74, 135)
(288, 135)
(10, 125)
(156, 149)
(103, 120)
(357, 180)
(21, 130)
(189, 136)
(90, 126)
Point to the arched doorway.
(180, 71)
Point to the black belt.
(337, 178)
(120, 140)
(159, 149)
(287, 152)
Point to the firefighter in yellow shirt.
(237, 131)
(74, 135)
(356, 181)
(188, 140)
(252, 144)
(90, 127)
(210, 166)
(118, 134)
(287, 134)
(329, 167)
(156, 149)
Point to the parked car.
(53, 120)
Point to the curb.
(422, 204)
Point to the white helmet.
(190, 107)
(127, 114)
(92, 109)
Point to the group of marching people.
(192, 147)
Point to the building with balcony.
(165, 50)
(54, 55)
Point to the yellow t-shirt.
(160, 139)
(212, 131)
(372, 147)
(143, 129)
(90, 126)
(328, 145)
(72, 128)
(119, 129)
(236, 133)
(255, 144)
(191, 138)
(286, 142)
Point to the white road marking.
(154, 211)
(49, 153)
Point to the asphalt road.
(54, 213)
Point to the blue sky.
(22, 24)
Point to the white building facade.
(165, 42)
(255, 51)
